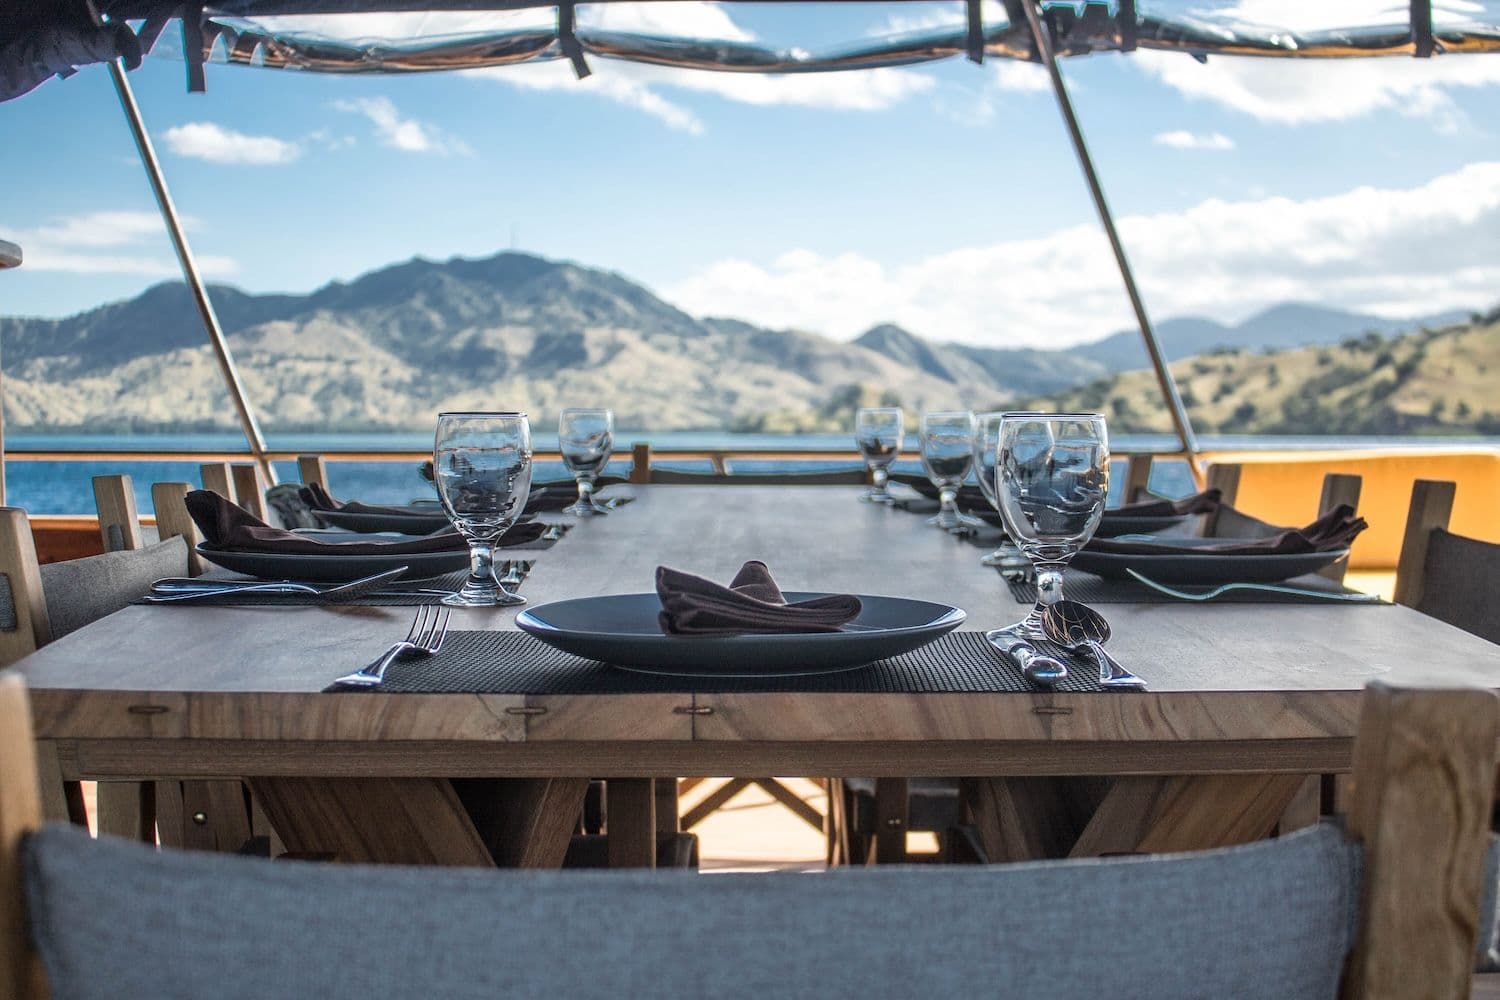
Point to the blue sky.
(944, 197)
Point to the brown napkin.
(316, 497)
(691, 605)
(1198, 503)
(1334, 530)
(227, 526)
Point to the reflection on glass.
(1006, 557)
(878, 432)
(1053, 479)
(482, 464)
(947, 454)
(586, 439)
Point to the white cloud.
(1392, 251)
(1025, 77)
(405, 134)
(72, 244)
(1183, 139)
(207, 141)
(1296, 91)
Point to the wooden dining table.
(1248, 705)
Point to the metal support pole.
(190, 274)
(1164, 379)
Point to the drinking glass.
(1006, 557)
(586, 439)
(482, 464)
(947, 455)
(878, 432)
(1053, 478)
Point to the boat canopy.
(50, 37)
(43, 38)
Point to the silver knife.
(1039, 669)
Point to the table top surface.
(1216, 671)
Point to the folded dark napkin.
(316, 497)
(228, 526)
(691, 605)
(1334, 530)
(1198, 503)
(970, 498)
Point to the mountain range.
(392, 348)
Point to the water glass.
(1008, 559)
(482, 466)
(947, 455)
(586, 439)
(1052, 482)
(878, 432)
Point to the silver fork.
(1266, 588)
(424, 638)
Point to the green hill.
(1439, 382)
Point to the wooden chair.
(1386, 909)
(1338, 488)
(1450, 577)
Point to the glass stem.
(585, 491)
(881, 479)
(1049, 590)
(482, 563)
(948, 507)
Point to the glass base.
(589, 508)
(477, 593)
(873, 495)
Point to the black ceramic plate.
(333, 568)
(1208, 568)
(423, 520)
(1112, 525)
(623, 631)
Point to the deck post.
(190, 274)
(1164, 379)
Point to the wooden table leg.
(667, 818)
(630, 822)
(1027, 819)
(892, 817)
(1186, 813)
(525, 822)
(414, 821)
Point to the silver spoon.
(1038, 669)
(1076, 625)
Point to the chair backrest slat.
(1431, 507)
(1424, 772)
(1338, 489)
(312, 470)
(119, 521)
(218, 479)
(249, 491)
(169, 501)
(1137, 477)
(27, 627)
(20, 814)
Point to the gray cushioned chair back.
(1461, 582)
(80, 591)
(116, 919)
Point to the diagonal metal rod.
(190, 274)
(1164, 379)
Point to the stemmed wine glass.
(947, 454)
(1006, 557)
(878, 432)
(1052, 482)
(482, 467)
(586, 439)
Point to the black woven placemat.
(517, 663)
(1091, 589)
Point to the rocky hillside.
(391, 349)
(1432, 381)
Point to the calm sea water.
(63, 487)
